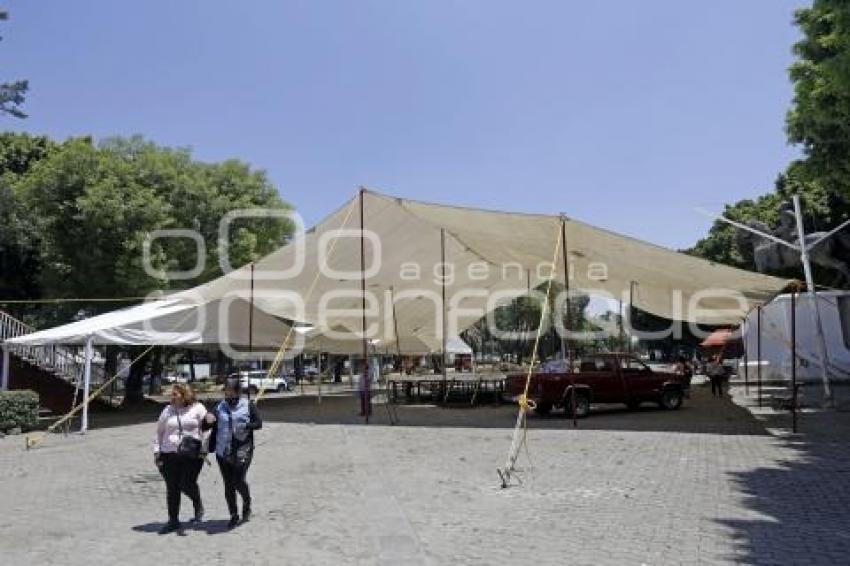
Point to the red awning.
(720, 337)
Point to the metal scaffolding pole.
(810, 286)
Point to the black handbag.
(189, 446)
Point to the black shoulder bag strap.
(232, 433)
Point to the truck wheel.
(671, 399)
(543, 408)
(582, 406)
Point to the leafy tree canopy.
(75, 216)
(819, 121)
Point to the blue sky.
(623, 114)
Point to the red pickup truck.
(601, 378)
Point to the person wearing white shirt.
(178, 452)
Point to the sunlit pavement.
(706, 484)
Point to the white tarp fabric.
(776, 337)
(455, 345)
(490, 257)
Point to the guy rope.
(520, 436)
(284, 345)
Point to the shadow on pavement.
(211, 527)
(801, 506)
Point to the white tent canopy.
(315, 279)
(455, 345)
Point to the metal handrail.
(62, 361)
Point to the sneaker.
(234, 520)
(199, 514)
(170, 527)
(246, 513)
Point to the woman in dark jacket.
(233, 422)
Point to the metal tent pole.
(567, 306)
(84, 425)
(622, 327)
(4, 379)
(794, 360)
(810, 285)
(251, 327)
(568, 356)
(319, 377)
(443, 290)
(744, 335)
(631, 313)
(366, 399)
(758, 352)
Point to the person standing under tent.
(178, 453)
(716, 374)
(233, 422)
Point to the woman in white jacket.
(177, 452)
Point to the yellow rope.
(78, 300)
(281, 352)
(33, 442)
(524, 402)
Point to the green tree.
(819, 121)
(80, 214)
(19, 252)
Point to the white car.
(256, 380)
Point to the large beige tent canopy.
(315, 280)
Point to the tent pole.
(807, 270)
(84, 425)
(365, 400)
(622, 327)
(758, 352)
(319, 377)
(744, 335)
(251, 324)
(395, 325)
(251, 313)
(631, 313)
(564, 350)
(567, 354)
(4, 380)
(794, 361)
(443, 285)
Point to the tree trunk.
(156, 370)
(133, 393)
(191, 355)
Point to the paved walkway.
(705, 484)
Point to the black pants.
(234, 480)
(181, 475)
(717, 385)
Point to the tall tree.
(819, 121)
(75, 217)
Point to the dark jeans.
(717, 385)
(181, 475)
(234, 480)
